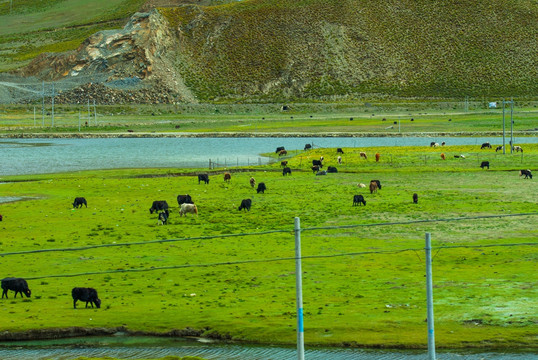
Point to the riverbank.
(88, 135)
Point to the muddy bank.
(133, 134)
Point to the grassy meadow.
(388, 117)
(230, 274)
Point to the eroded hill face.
(277, 50)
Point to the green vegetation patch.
(231, 273)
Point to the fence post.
(299, 290)
(429, 295)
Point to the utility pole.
(52, 105)
(511, 125)
(504, 141)
(429, 296)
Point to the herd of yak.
(186, 204)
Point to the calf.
(204, 178)
(484, 164)
(279, 149)
(18, 285)
(323, 172)
(79, 201)
(340, 151)
(377, 157)
(89, 295)
(315, 168)
(286, 171)
(415, 198)
(332, 169)
(163, 217)
(358, 199)
(158, 205)
(282, 153)
(184, 199)
(245, 204)
(284, 163)
(527, 173)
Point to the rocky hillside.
(283, 50)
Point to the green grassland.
(377, 117)
(230, 274)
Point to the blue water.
(148, 347)
(40, 156)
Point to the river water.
(149, 347)
(39, 156)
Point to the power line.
(337, 227)
(251, 261)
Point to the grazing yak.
(315, 168)
(377, 157)
(340, 151)
(485, 145)
(261, 188)
(245, 204)
(79, 201)
(252, 182)
(517, 148)
(18, 285)
(184, 199)
(484, 164)
(307, 146)
(323, 172)
(227, 177)
(282, 153)
(499, 148)
(317, 163)
(415, 198)
(363, 155)
(188, 208)
(286, 171)
(89, 295)
(434, 144)
(443, 156)
(204, 178)
(373, 187)
(377, 182)
(284, 163)
(332, 169)
(358, 200)
(279, 149)
(339, 160)
(1, 217)
(163, 217)
(527, 174)
(361, 185)
(158, 205)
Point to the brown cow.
(373, 187)
(377, 156)
(227, 177)
(282, 153)
(443, 156)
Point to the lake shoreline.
(87, 135)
